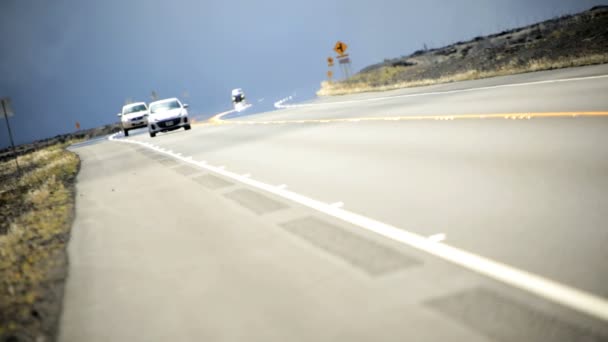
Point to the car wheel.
(152, 134)
(187, 127)
(126, 131)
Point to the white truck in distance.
(238, 100)
(133, 115)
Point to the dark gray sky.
(63, 61)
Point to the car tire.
(187, 127)
(126, 131)
(152, 134)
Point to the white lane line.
(282, 186)
(437, 237)
(337, 204)
(216, 118)
(546, 288)
(246, 175)
(280, 104)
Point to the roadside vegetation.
(84, 134)
(36, 211)
(569, 41)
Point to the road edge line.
(553, 291)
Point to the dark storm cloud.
(65, 60)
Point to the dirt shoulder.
(36, 213)
(569, 41)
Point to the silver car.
(133, 115)
(167, 115)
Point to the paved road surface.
(162, 249)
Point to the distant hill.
(23, 149)
(573, 40)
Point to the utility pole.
(10, 133)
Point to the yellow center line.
(217, 119)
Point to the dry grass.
(383, 79)
(38, 207)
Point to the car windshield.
(135, 109)
(163, 106)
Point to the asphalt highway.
(303, 223)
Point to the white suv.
(133, 115)
(167, 115)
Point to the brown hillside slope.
(573, 40)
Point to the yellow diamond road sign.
(340, 48)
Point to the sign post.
(7, 111)
(345, 63)
(330, 64)
(343, 59)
